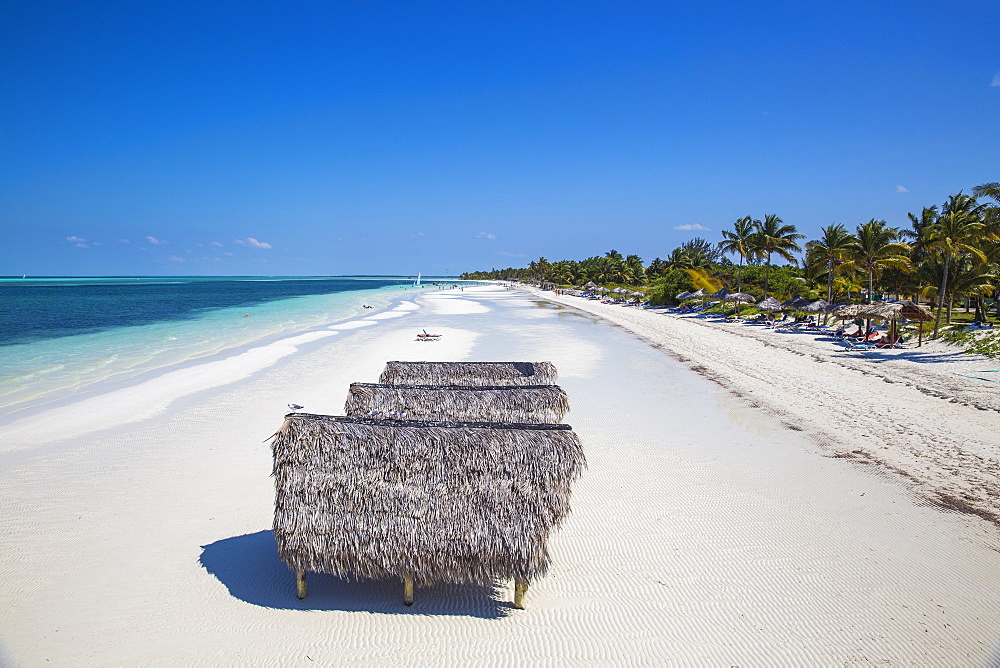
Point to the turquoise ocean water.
(61, 336)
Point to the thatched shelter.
(460, 502)
(497, 403)
(797, 303)
(848, 311)
(770, 304)
(818, 306)
(737, 298)
(912, 311)
(918, 313)
(893, 311)
(469, 373)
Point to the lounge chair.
(897, 343)
(855, 347)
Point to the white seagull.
(295, 407)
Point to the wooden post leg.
(520, 593)
(300, 583)
(408, 590)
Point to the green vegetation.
(949, 255)
(983, 343)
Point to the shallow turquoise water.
(63, 335)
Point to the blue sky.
(306, 138)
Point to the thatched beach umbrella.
(590, 285)
(420, 501)
(796, 303)
(469, 373)
(884, 311)
(848, 311)
(817, 307)
(517, 403)
(867, 312)
(738, 298)
(880, 311)
(770, 304)
(682, 296)
(893, 311)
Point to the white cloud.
(901, 189)
(486, 235)
(228, 253)
(174, 258)
(155, 241)
(124, 241)
(97, 243)
(690, 227)
(216, 244)
(79, 242)
(996, 80)
(417, 235)
(507, 254)
(253, 243)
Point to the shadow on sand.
(251, 570)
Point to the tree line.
(943, 254)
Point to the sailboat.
(417, 283)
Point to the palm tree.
(832, 249)
(738, 242)
(771, 236)
(601, 269)
(966, 277)
(540, 268)
(701, 252)
(636, 271)
(678, 259)
(847, 284)
(915, 235)
(991, 213)
(877, 246)
(656, 268)
(956, 232)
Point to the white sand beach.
(751, 499)
(929, 414)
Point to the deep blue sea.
(59, 335)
